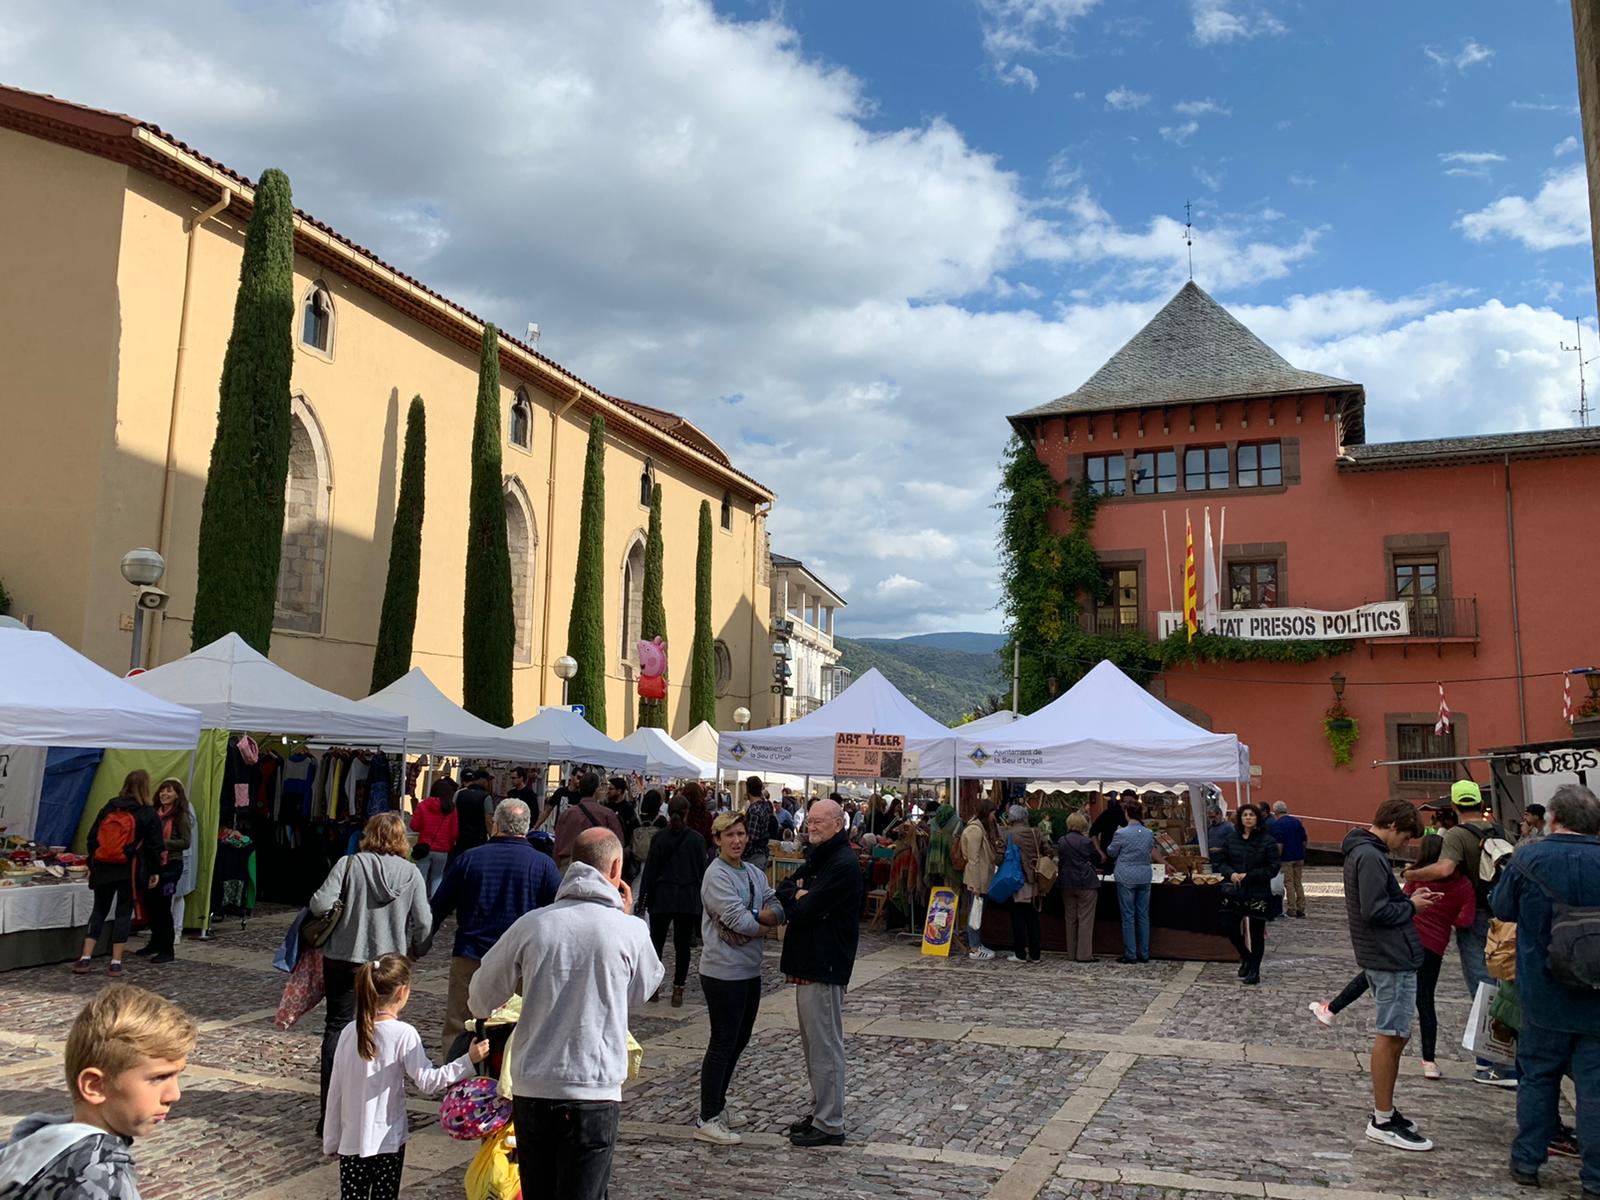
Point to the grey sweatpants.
(820, 1007)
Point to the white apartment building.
(808, 604)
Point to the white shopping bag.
(975, 917)
(1277, 884)
(1480, 1036)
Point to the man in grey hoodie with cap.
(579, 964)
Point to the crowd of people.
(545, 896)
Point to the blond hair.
(386, 834)
(121, 1027)
(1077, 823)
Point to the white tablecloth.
(45, 906)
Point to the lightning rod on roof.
(1188, 234)
(533, 334)
(1583, 387)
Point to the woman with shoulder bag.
(1248, 861)
(1024, 916)
(172, 810)
(1132, 849)
(379, 905)
(669, 890)
(1080, 886)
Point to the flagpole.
(1166, 545)
(1222, 556)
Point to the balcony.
(1437, 621)
(1112, 622)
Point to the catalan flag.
(1189, 596)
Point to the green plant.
(241, 515)
(586, 625)
(5, 600)
(397, 625)
(489, 629)
(1589, 708)
(1342, 731)
(653, 618)
(702, 655)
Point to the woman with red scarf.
(155, 903)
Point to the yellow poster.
(939, 930)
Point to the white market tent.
(572, 739)
(805, 747)
(438, 725)
(664, 758)
(1003, 719)
(234, 687)
(1105, 727)
(50, 695)
(701, 742)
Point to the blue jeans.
(1134, 901)
(1470, 945)
(1544, 1056)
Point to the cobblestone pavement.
(1063, 1081)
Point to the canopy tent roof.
(572, 739)
(1003, 719)
(664, 758)
(1105, 727)
(701, 742)
(438, 725)
(50, 695)
(805, 747)
(234, 687)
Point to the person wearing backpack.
(125, 845)
(1552, 891)
(1464, 852)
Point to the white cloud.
(1201, 108)
(1471, 54)
(1558, 216)
(1213, 182)
(1472, 158)
(1567, 145)
(1544, 106)
(1180, 134)
(1124, 98)
(1301, 180)
(1232, 20)
(1019, 28)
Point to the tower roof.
(1195, 350)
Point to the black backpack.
(1574, 939)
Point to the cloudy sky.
(848, 238)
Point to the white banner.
(1386, 618)
(21, 776)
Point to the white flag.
(1210, 594)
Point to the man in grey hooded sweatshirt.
(579, 964)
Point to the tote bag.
(1008, 879)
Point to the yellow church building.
(122, 249)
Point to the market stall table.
(42, 923)
(1185, 923)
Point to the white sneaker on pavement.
(1399, 1133)
(982, 953)
(715, 1132)
(1322, 1013)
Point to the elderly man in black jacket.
(822, 902)
(1389, 951)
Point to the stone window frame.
(722, 658)
(313, 289)
(725, 516)
(1289, 457)
(314, 620)
(1460, 727)
(647, 483)
(1124, 560)
(1255, 552)
(520, 400)
(1417, 545)
(630, 612)
(516, 494)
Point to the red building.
(1490, 542)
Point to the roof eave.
(1465, 457)
(1354, 390)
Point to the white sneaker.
(1321, 1012)
(715, 1132)
(981, 953)
(1399, 1133)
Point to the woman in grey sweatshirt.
(736, 904)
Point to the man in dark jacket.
(488, 888)
(822, 903)
(1560, 1032)
(1390, 952)
(473, 812)
(1291, 838)
(585, 812)
(759, 821)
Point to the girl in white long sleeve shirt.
(365, 1123)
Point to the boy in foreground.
(123, 1058)
(1389, 951)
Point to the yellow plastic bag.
(491, 1175)
(635, 1058)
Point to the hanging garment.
(296, 783)
(378, 784)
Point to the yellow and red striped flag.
(1189, 596)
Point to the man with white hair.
(579, 964)
(487, 888)
(822, 903)
(1290, 835)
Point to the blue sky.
(848, 239)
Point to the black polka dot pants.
(374, 1178)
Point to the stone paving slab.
(44, 1000)
(1008, 995)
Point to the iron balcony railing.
(1442, 616)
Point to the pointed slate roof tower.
(1194, 350)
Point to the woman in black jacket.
(1248, 861)
(670, 891)
(125, 844)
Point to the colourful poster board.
(939, 930)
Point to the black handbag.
(314, 930)
(1235, 901)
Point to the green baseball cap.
(1465, 794)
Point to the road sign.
(579, 709)
(779, 690)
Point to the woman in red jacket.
(434, 823)
(1455, 906)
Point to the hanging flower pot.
(1342, 732)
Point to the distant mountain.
(972, 643)
(943, 682)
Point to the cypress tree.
(653, 622)
(703, 657)
(241, 517)
(398, 624)
(489, 634)
(586, 626)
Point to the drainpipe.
(549, 558)
(170, 478)
(756, 520)
(1516, 619)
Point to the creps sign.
(1558, 762)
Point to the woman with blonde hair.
(125, 845)
(383, 909)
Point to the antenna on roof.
(1583, 387)
(1188, 235)
(533, 334)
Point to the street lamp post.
(781, 674)
(566, 667)
(741, 717)
(143, 568)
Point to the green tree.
(653, 620)
(703, 655)
(398, 624)
(241, 517)
(586, 626)
(489, 635)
